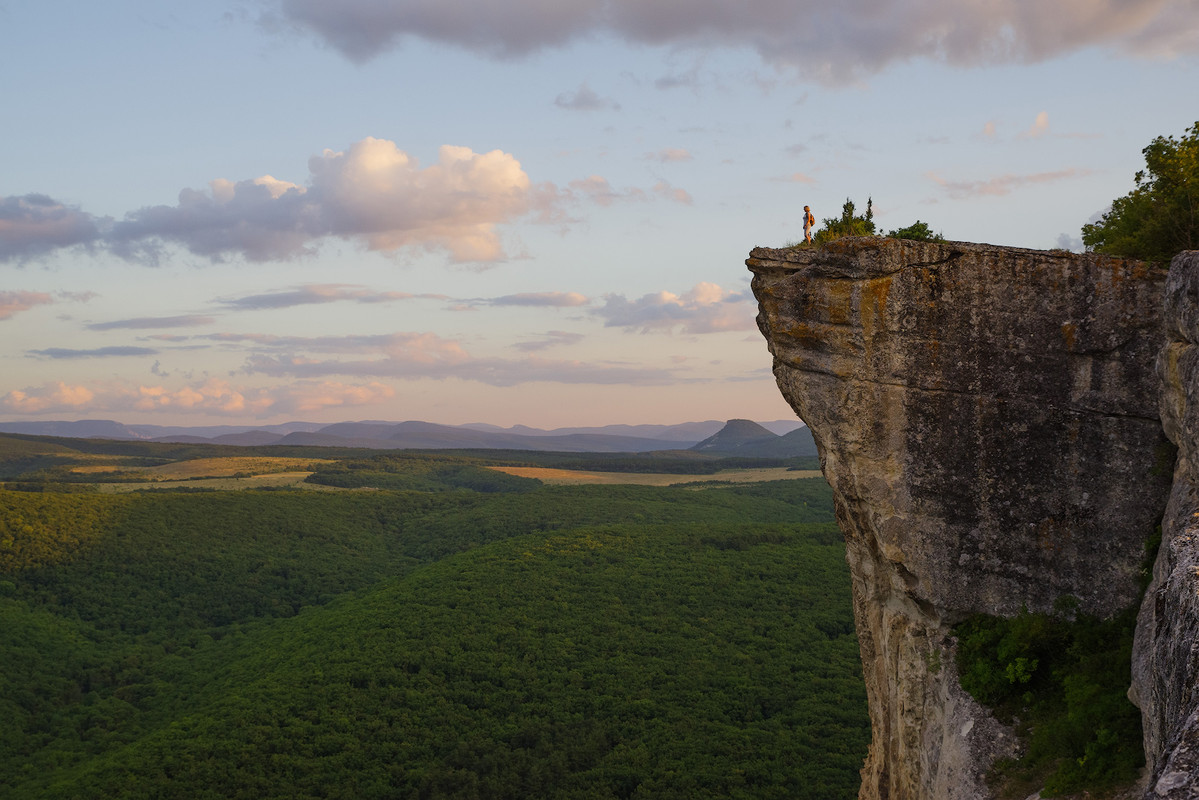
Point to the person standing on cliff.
(808, 222)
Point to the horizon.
(248, 214)
(782, 421)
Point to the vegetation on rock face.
(1065, 683)
(478, 637)
(1160, 217)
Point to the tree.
(918, 231)
(848, 225)
(1160, 217)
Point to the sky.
(527, 212)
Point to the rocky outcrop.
(1166, 649)
(987, 418)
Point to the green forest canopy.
(463, 640)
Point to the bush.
(1065, 681)
(1160, 217)
(849, 224)
(917, 231)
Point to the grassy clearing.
(273, 480)
(570, 477)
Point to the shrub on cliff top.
(849, 224)
(1160, 217)
(917, 231)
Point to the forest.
(417, 625)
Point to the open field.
(273, 480)
(570, 477)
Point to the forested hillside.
(479, 635)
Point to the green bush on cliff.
(1160, 217)
(917, 231)
(849, 224)
(1065, 682)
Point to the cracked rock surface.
(988, 420)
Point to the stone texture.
(1166, 649)
(987, 418)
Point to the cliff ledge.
(988, 420)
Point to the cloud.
(412, 355)
(549, 339)
(989, 129)
(53, 396)
(597, 189)
(151, 323)
(12, 303)
(666, 191)
(827, 41)
(372, 194)
(670, 155)
(585, 99)
(316, 293)
(799, 177)
(1002, 185)
(1066, 241)
(33, 225)
(211, 396)
(99, 352)
(544, 299)
(707, 308)
(1039, 127)
(681, 80)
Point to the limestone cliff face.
(1166, 655)
(987, 418)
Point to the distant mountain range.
(780, 438)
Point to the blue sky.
(532, 213)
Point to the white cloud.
(828, 41)
(12, 303)
(707, 308)
(372, 194)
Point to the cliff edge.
(988, 420)
(1166, 647)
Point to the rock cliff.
(988, 420)
(1166, 649)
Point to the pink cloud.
(212, 396)
(12, 303)
(1003, 184)
(706, 308)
